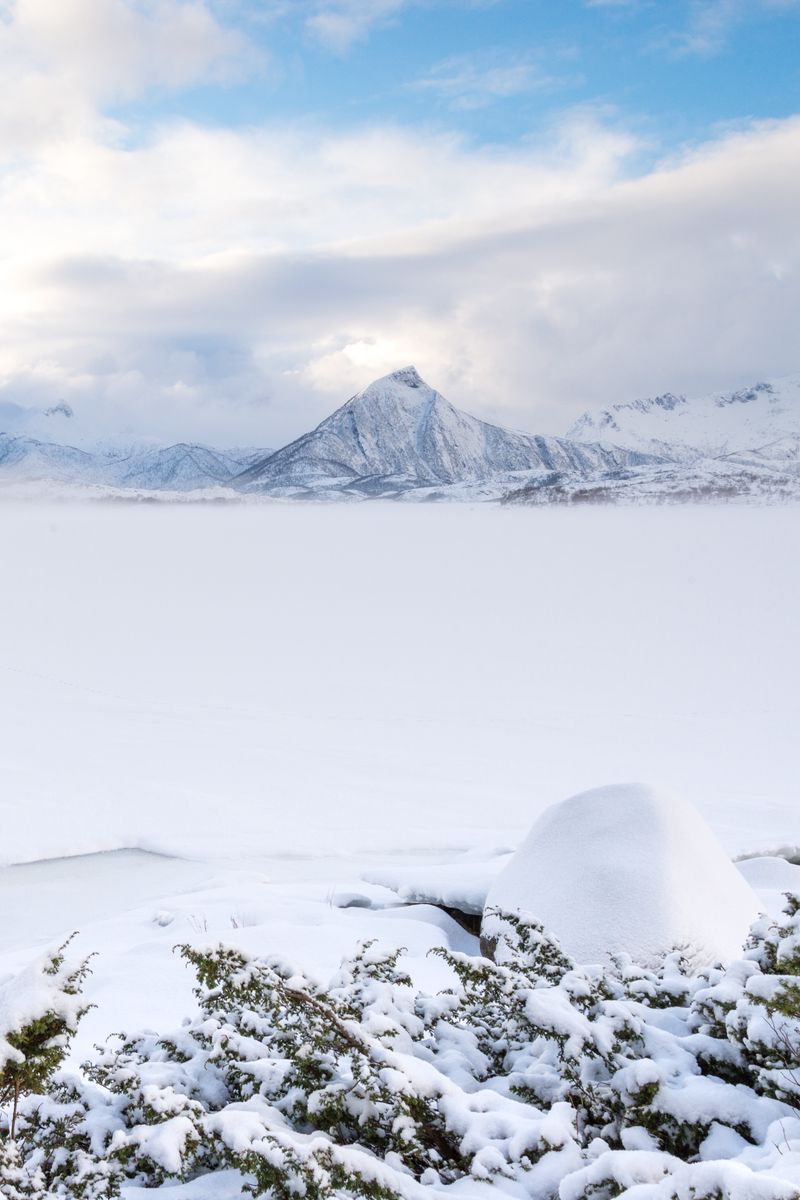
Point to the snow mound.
(771, 877)
(627, 869)
(771, 872)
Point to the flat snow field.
(289, 696)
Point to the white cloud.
(340, 23)
(470, 82)
(708, 24)
(234, 286)
(192, 193)
(62, 61)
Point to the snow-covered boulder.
(628, 869)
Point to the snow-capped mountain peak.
(408, 376)
(399, 402)
(748, 419)
(747, 395)
(399, 434)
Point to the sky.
(221, 218)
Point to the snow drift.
(627, 869)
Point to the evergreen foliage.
(529, 1073)
(39, 1013)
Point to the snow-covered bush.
(753, 1010)
(40, 1010)
(17, 1180)
(530, 1073)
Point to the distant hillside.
(182, 467)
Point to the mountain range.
(400, 438)
(179, 468)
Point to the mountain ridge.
(182, 466)
(402, 432)
(745, 419)
(399, 438)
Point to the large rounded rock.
(627, 869)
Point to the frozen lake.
(295, 680)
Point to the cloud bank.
(233, 284)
